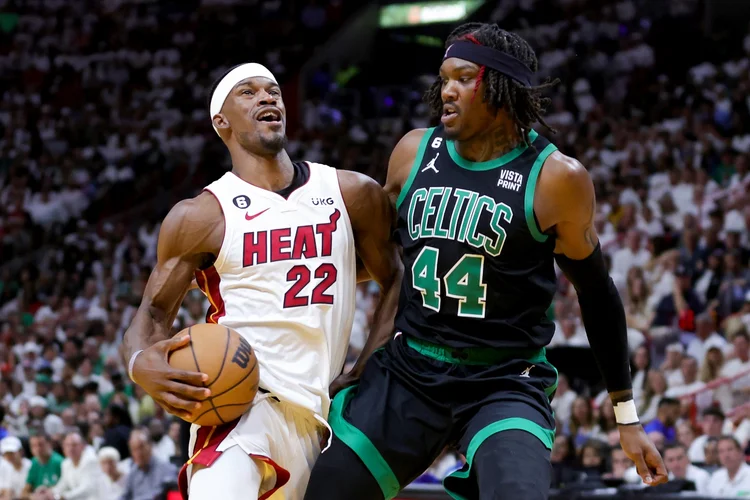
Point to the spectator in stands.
(593, 460)
(150, 476)
(117, 425)
(688, 380)
(711, 452)
(564, 461)
(736, 366)
(685, 433)
(705, 337)
(679, 467)
(712, 424)
(679, 308)
(666, 418)
(113, 481)
(46, 464)
(163, 445)
(619, 462)
(671, 367)
(562, 403)
(656, 388)
(80, 477)
(13, 469)
(733, 479)
(641, 364)
(582, 424)
(638, 313)
(712, 365)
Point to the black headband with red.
(491, 58)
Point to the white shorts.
(282, 440)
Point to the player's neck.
(490, 145)
(272, 173)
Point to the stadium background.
(104, 126)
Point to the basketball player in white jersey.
(274, 245)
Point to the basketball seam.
(223, 360)
(249, 372)
(197, 367)
(218, 408)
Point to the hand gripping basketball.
(179, 392)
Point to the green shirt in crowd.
(45, 474)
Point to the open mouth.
(449, 113)
(270, 115)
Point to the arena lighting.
(414, 14)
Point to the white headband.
(225, 86)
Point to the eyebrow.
(460, 67)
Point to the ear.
(220, 121)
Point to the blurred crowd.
(94, 121)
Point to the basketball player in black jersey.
(485, 207)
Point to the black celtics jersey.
(477, 269)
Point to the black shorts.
(416, 398)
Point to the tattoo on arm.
(588, 230)
(621, 396)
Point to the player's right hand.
(179, 392)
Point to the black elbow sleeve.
(603, 316)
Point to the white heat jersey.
(285, 279)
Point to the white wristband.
(132, 362)
(625, 413)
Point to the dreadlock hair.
(524, 104)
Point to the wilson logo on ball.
(242, 355)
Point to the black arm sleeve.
(603, 316)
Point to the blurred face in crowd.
(140, 448)
(620, 463)
(657, 438)
(741, 347)
(711, 452)
(676, 461)
(174, 431)
(712, 425)
(241, 114)
(581, 411)
(73, 446)
(657, 382)
(685, 434)
(560, 449)
(674, 358)
(641, 358)
(704, 326)
(14, 457)
(156, 428)
(714, 357)
(634, 241)
(40, 448)
(109, 467)
(465, 114)
(689, 368)
(68, 417)
(590, 457)
(730, 455)
(669, 414)
(613, 438)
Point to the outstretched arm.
(188, 236)
(565, 189)
(372, 219)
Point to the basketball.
(232, 369)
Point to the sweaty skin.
(192, 233)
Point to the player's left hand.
(342, 382)
(639, 448)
